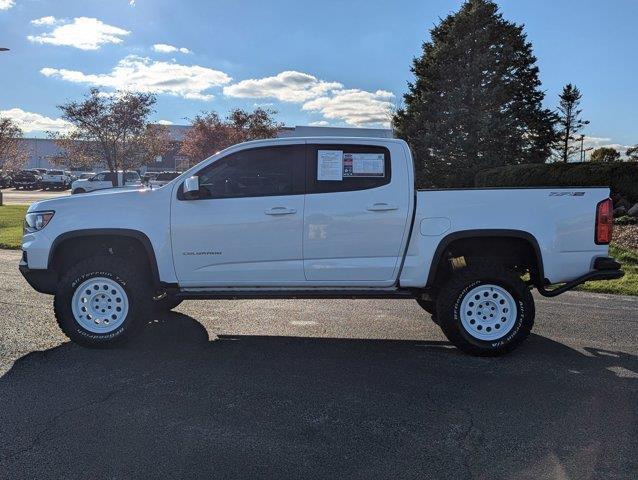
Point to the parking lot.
(308, 389)
(11, 196)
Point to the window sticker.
(329, 165)
(364, 165)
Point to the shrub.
(622, 177)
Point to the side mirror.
(191, 188)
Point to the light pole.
(582, 152)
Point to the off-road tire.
(132, 280)
(463, 281)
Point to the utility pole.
(582, 152)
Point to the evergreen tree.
(475, 102)
(569, 122)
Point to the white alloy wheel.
(100, 305)
(488, 312)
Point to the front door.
(246, 227)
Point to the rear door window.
(345, 168)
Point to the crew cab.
(326, 217)
(56, 179)
(106, 179)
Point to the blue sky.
(328, 62)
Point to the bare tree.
(13, 153)
(111, 130)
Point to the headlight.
(36, 221)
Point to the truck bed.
(560, 221)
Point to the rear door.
(356, 213)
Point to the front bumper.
(43, 281)
(605, 268)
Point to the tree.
(605, 154)
(111, 130)
(632, 154)
(476, 101)
(569, 122)
(13, 154)
(209, 133)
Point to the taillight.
(604, 222)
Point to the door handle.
(280, 211)
(381, 207)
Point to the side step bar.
(605, 268)
(293, 294)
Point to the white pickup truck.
(56, 179)
(320, 217)
(104, 180)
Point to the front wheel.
(485, 310)
(101, 301)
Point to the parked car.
(148, 176)
(317, 218)
(6, 179)
(162, 179)
(27, 179)
(56, 179)
(104, 180)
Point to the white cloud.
(6, 4)
(592, 143)
(287, 86)
(320, 123)
(34, 122)
(44, 21)
(164, 48)
(352, 106)
(82, 32)
(134, 73)
(165, 122)
(355, 107)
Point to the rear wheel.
(101, 301)
(78, 190)
(485, 310)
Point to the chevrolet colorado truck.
(327, 217)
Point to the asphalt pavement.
(317, 389)
(11, 196)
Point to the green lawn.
(627, 285)
(11, 218)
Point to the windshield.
(56, 172)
